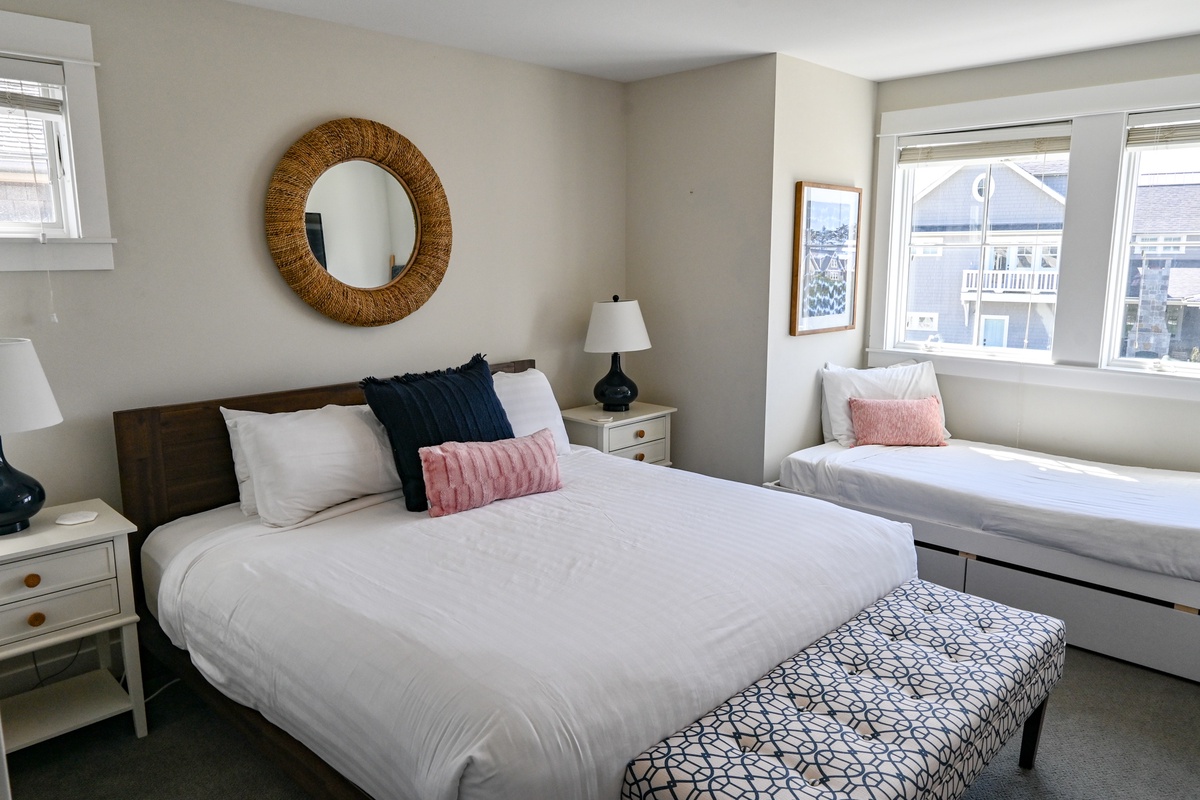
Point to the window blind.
(1180, 127)
(31, 88)
(978, 145)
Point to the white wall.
(198, 101)
(823, 133)
(714, 156)
(1123, 428)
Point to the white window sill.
(1117, 379)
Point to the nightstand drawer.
(54, 612)
(651, 452)
(35, 577)
(635, 433)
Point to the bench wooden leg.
(1031, 734)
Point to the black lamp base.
(615, 390)
(20, 498)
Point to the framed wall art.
(825, 257)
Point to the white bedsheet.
(527, 649)
(1148, 519)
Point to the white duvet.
(1148, 519)
(530, 648)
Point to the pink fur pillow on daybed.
(463, 475)
(897, 422)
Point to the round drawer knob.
(32, 580)
(641, 434)
(640, 457)
(36, 619)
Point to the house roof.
(1171, 208)
(1183, 283)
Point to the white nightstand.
(60, 583)
(642, 433)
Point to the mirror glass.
(358, 288)
(361, 224)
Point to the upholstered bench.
(910, 699)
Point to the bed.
(1112, 550)
(527, 648)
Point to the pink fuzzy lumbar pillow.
(463, 475)
(897, 422)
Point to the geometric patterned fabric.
(909, 699)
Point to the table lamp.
(616, 327)
(26, 404)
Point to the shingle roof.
(1172, 208)
(1183, 283)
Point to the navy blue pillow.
(452, 405)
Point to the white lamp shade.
(26, 402)
(616, 327)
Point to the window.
(53, 196)
(1161, 264)
(980, 220)
(36, 184)
(1124, 256)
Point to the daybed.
(1114, 551)
(531, 647)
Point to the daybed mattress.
(1142, 518)
(530, 648)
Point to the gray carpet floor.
(1112, 731)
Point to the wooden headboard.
(175, 460)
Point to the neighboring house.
(995, 288)
(1162, 296)
(999, 288)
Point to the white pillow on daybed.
(905, 381)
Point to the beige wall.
(714, 156)
(1124, 428)
(198, 100)
(699, 236)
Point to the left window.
(36, 182)
(979, 216)
(53, 194)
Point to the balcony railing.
(1010, 281)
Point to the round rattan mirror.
(325, 146)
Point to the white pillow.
(240, 468)
(826, 424)
(529, 403)
(303, 462)
(908, 381)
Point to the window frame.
(1159, 247)
(1089, 264)
(90, 245)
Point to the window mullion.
(1088, 242)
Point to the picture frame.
(825, 258)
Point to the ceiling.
(626, 40)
